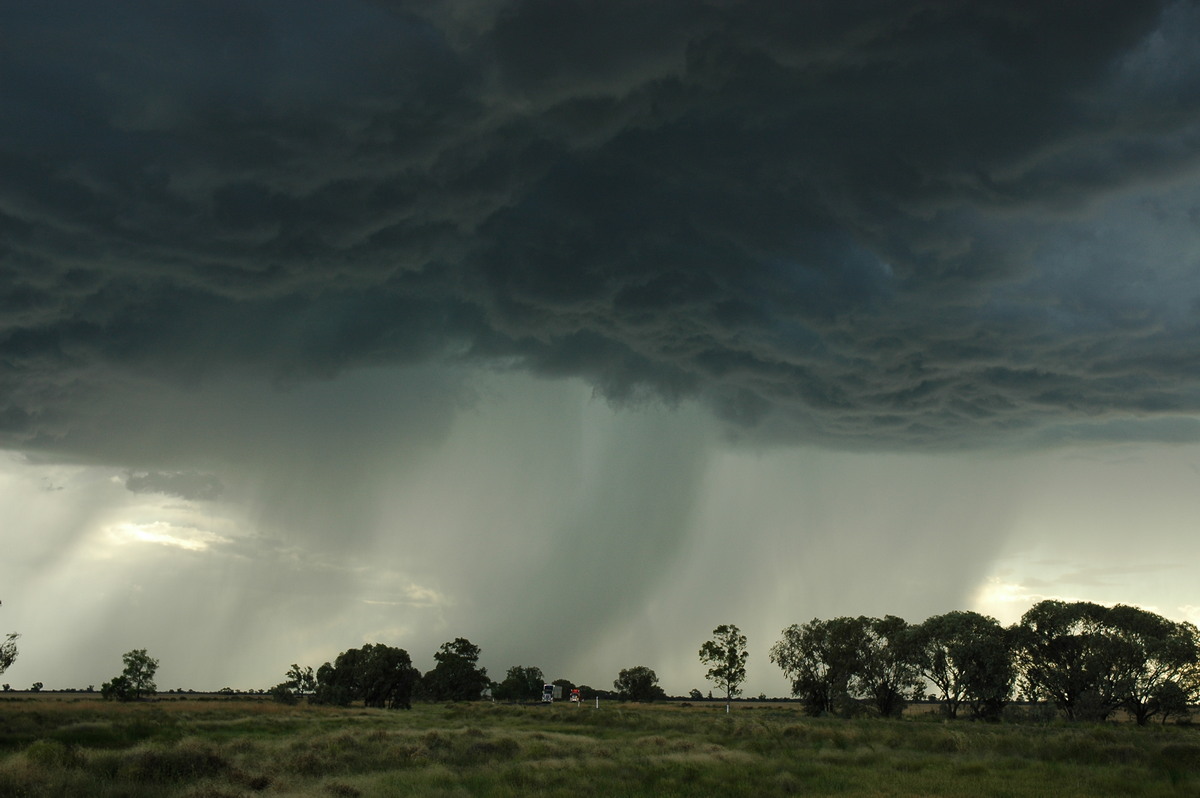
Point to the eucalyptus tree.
(136, 681)
(378, 675)
(522, 682)
(820, 659)
(457, 675)
(1069, 653)
(887, 673)
(638, 683)
(726, 654)
(968, 657)
(1161, 663)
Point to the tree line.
(1086, 659)
(378, 675)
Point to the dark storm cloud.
(900, 224)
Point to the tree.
(968, 657)
(726, 655)
(300, 682)
(456, 676)
(136, 681)
(8, 650)
(521, 683)
(820, 658)
(376, 674)
(1160, 660)
(1068, 653)
(638, 684)
(887, 672)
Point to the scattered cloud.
(183, 485)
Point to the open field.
(77, 746)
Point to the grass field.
(56, 746)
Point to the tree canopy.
(726, 655)
(376, 674)
(638, 684)
(968, 657)
(457, 675)
(820, 658)
(521, 683)
(136, 681)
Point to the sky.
(578, 327)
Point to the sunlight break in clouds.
(164, 534)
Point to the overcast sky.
(578, 328)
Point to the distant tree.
(638, 684)
(726, 657)
(136, 681)
(456, 676)
(36, 688)
(968, 657)
(300, 682)
(695, 694)
(303, 680)
(378, 675)
(521, 683)
(886, 673)
(820, 658)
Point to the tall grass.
(228, 749)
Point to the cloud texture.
(880, 224)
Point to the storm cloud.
(886, 225)
(577, 327)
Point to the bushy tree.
(456, 676)
(638, 684)
(1158, 661)
(1069, 654)
(820, 658)
(726, 657)
(521, 683)
(136, 681)
(376, 674)
(968, 657)
(886, 673)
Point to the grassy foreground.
(221, 749)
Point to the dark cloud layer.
(890, 224)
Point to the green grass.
(228, 749)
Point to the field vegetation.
(220, 748)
